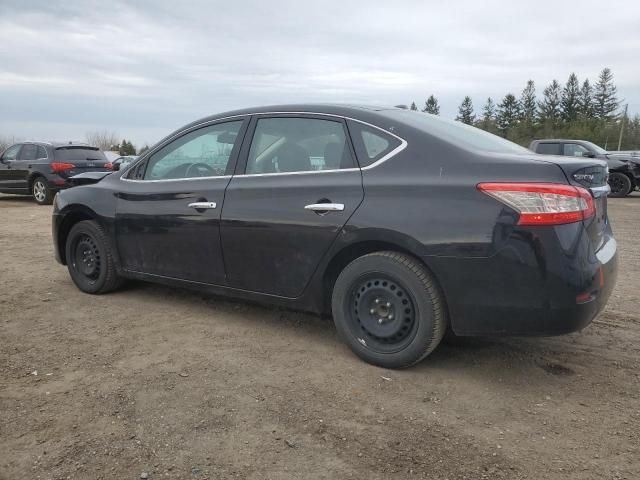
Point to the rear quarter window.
(371, 144)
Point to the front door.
(168, 208)
(9, 174)
(299, 186)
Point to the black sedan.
(401, 224)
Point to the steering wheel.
(200, 170)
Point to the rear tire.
(89, 259)
(389, 309)
(41, 191)
(620, 184)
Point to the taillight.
(61, 167)
(108, 166)
(543, 203)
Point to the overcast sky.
(144, 68)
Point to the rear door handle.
(202, 205)
(325, 207)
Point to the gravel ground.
(162, 383)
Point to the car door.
(168, 207)
(298, 185)
(8, 174)
(22, 166)
(574, 150)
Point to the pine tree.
(528, 104)
(508, 114)
(604, 97)
(465, 111)
(586, 100)
(549, 107)
(488, 120)
(570, 103)
(431, 106)
(143, 149)
(413, 106)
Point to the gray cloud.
(144, 68)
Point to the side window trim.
(233, 158)
(241, 167)
(360, 148)
(19, 145)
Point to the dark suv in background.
(41, 168)
(624, 170)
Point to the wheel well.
(32, 179)
(345, 257)
(65, 227)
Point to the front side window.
(11, 153)
(574, 150)
(285, 144)
(201, 153)
(28, 152)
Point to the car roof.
(556, 140)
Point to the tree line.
(103, 139)
(579, 110)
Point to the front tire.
(89, 259)
(389, 309)
(620, 185)
(41, 191)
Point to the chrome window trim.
(392, 153)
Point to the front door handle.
(202, 205)
(325, 207)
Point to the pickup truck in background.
(624, 168)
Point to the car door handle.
(325, 207)
(202, 205)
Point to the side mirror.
(588, 154)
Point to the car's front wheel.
(387, 306)
(41, 191)
(89, 258)
(620, 184)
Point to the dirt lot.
(180, 385)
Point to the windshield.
(595, 148)
(458, 133)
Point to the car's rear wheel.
(620, 184)
(389, 309)
(89, 258)
(41, 191)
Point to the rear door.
(22, 166)
(297, 186)
(168, 207)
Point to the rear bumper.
(547, 281)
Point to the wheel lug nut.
(380, 321)
(390, 316)
(372, 311)
(377, 300)
(388, 304)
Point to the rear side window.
(70, 154)
(42, 152)
(28, 152)
(370, 143)
(548, 148)
(285, 144)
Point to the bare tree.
(6, 141)
(103, 139)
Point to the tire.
(620, 185)
(41, 192)
(89, 259)
(388, 308)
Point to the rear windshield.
(80, 153)
(457, 133)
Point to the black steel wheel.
(389, 309)
(620, 184)
(89, 259)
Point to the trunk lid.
(591, 174)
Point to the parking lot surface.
(173, 384)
